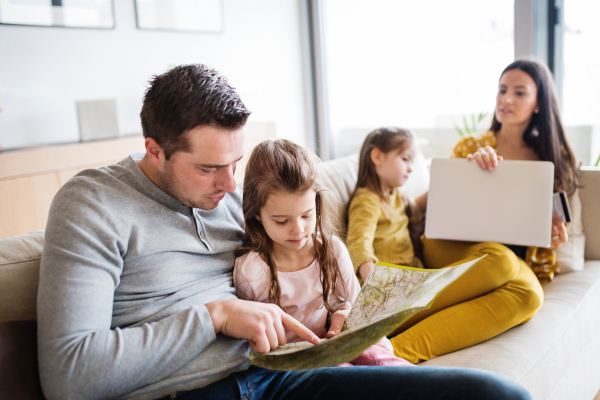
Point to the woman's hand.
(559, 232)
(337, 321)
(486, 157)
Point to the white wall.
(44, 71)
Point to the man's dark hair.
(185, 97)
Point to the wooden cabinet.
(29, 179)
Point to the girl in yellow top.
(378, 218)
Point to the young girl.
(290, 256)
(493, 296)
(378, 219)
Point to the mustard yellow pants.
(496, 294)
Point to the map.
(390, 295)
(392, 288)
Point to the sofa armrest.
(19, 275)
(590, 205)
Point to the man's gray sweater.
(125, 273)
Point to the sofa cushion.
(19, 275)
(554, 354)
(339, 176)
(19, 377)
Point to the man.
(135, 297)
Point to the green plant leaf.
(466, 124)
(460, 132)
(470, 128)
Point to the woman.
(495, 296)
(527, 126)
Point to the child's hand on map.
(337, 320)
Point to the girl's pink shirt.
(301, 291)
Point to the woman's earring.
(536, 111)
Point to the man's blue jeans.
(385, 383)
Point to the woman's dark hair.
(185, 97)
(545, 133)
(282, 166)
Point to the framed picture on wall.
(180, 15)
(97, 14)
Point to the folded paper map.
(390, 295)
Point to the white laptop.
(511, 204)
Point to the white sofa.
(556, 355)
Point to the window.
(415, 64)
(581, 77)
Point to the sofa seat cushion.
(555, 348)
(19, 275)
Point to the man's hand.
(263, 325)
(486, 157)
(337, 321)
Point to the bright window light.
(414, 64)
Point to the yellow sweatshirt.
(379, 231)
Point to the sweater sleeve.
(469, 144)
(363, 216)
(463, 148)
(80, 354)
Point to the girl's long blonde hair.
(385, 139)
(282, 166)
